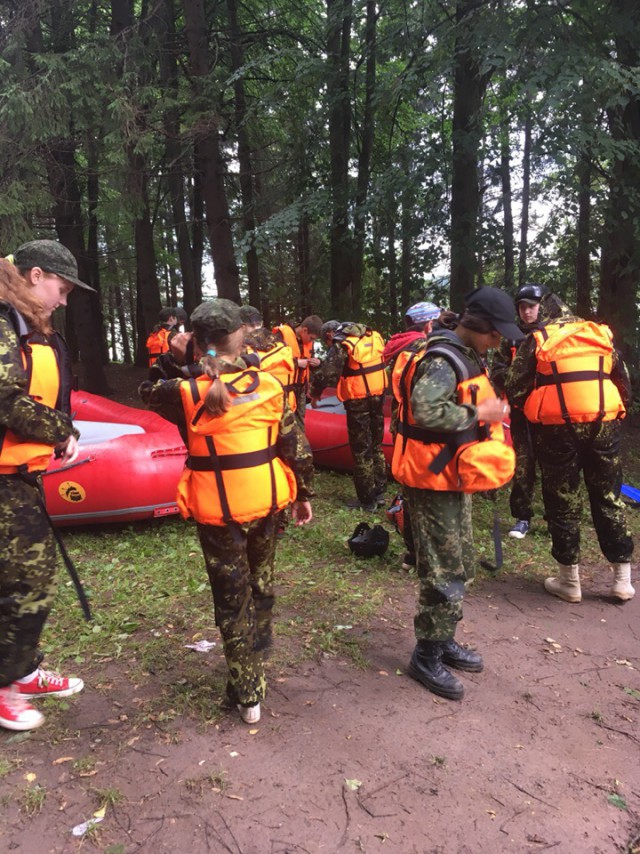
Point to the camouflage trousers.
(27, 577)
(593, 451)
(365, 426)
(524, 478)
(443, 539)
(300, 394)
(240, 567)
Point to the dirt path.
(542, 754)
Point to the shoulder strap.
(464, 368)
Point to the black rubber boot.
(426, 667)
(460, 657)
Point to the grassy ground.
(149, 590)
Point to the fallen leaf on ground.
(353, 785)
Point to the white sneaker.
(250, 714)
(520, 529)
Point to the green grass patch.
(150, 596)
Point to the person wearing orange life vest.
(419, 320)
(449, 443)
(355, 365)
(35, 422)
(247, 461)
(301, 338)
(271, 354)
(162, 333)
(573, 387)
(530, 316)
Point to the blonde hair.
(16, 289)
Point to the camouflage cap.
(52, 257)
(250, 315)
(215, 319)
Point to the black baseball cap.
(498, 308)
(52, 257)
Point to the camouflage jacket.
(292, 446)
(433, 392)
(20, 413)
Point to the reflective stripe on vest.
(41, 365)
(233, 473)
(422, 458)
(299, 351)
(278, 361)
(364, 373)
(573, 376)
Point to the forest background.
(346, 157)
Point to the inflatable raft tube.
(326, 429)
(128, 468)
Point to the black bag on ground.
(367, 541)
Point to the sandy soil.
(541, 754)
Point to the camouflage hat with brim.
(52, 257)
(250, 314)
(215, 318)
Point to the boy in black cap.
(446, 403)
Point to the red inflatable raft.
(326, 429)
(128, 468)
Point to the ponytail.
(218, 399)
(449, 319)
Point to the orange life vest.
(472, 460)
(158, 343)
(41, 365)
(278, 361)
(299, 350)
(364, 374)
(233, 472)
(573, 375)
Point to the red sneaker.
(16, 713)
(47, 683)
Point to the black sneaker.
(520, 529)
(461, 658)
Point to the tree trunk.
(304, 266)
(507, 210)
(364, 162)
(339, 14)
(209, 159)
(526, 197)
(244, 153)
(174, 156)
(469, 88)
(620, 272)
(583, 253)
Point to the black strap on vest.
(360, 372)
(464, 369)
(218, 463)
(232, 462)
